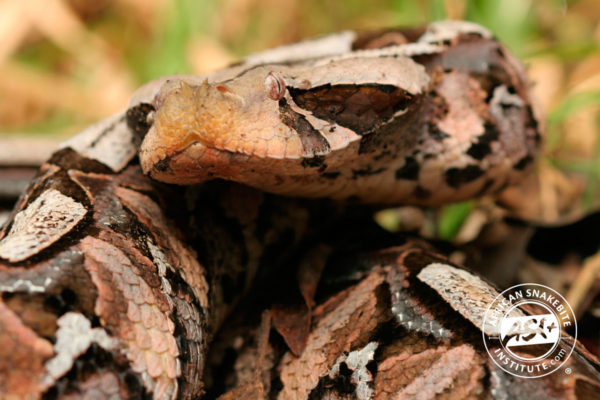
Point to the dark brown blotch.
(137, 118)
(482, 147)
(421, 193)
(523, 162)
(330, 175)
(438, 134)
(485, 188)
(313, 162)
(533, 123)
(410, 169)
(456, 177)
(360, 108)
(68, 158)
(366, 172)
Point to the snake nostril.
(223, 89)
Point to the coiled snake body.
(113, 285)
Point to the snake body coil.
(113, 285)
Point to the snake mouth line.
(194, 163)
(161, 157)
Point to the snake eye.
(275, 86)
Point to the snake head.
(275, 122)
(199, 130)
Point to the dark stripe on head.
(313, 142)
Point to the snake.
(422, 118)
(115, 285)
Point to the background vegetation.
(67, 63)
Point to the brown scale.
(387, 37)
(360, 108)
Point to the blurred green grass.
(160, 45)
